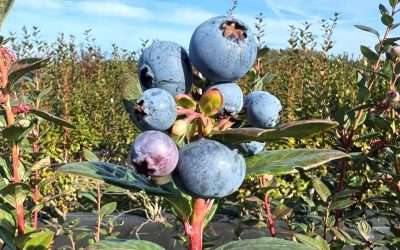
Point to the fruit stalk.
(270, 220)
(195, 230)
(19, 207)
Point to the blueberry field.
(222, 143)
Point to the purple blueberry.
(154, 153)
(251, 148)
(233, 97)
(263, 109)
(223, 49)
(154, 110)
(165, 65)
(209, 169)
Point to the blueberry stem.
(270, 219)
(195, 230)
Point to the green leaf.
(116, 175)
(383, 9)
(343, 203)
(211, 102)
(90, 196)
(322, 190)
(265, 243)
(369, 54)
(52, 118)
(5, 6)
(393, 3)
(368, 29)
(185, 101)
(182, 206)
(299, 129)
(364, 229)
(15, 193)
(280, 162)
(124, 245)
(107, 209)
(5, 169)
(41, 240)
(24, 66)
(345, 237)
(16, 133)
(89, 155)
(7, 221)
(211, 213)
(387, 20)
(260, 83)
(8, 237)
(390, 40)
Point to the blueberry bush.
(209, 134)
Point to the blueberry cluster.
(223, 49)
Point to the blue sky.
(125, 22)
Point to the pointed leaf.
(368, 29)
(108, 209)
(393, 3)
(299, 129)
(280, 162)
(89, 155)
(322, 190)
(52, 118)
(36, 240)
(17, 133)
(7, 221)
(15, 193)
(387, 20)
(369, 54)
(116, 175)
(125, 245)
(263, 244)
(185, 101)
(24, 66)
(211, 102)
(343, 203)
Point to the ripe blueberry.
(153, 153)
(263, 109)
(154, 110)
(251, 148)
(209, 169)
(223, 49)
(165, 65)
(233, 97)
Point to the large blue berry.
(263, 109)
(223, 49)
(251, 148)
(154, 110)
(209, 169)
(165, 65)
(154, 153)
(233, 97)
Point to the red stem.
(270, 218)
(195, 230)
(36, 201)
(19, 207)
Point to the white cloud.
(188, 16)
(111, 8)
(40, 4)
